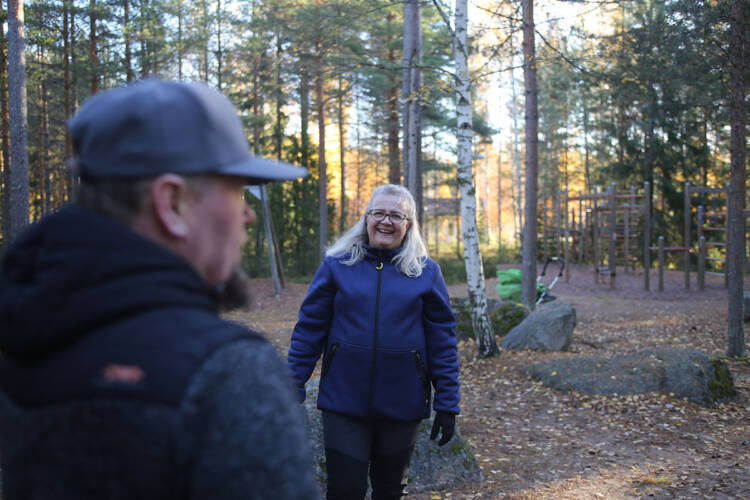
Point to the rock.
(548, 328)
(504, 316)
(746, 305)
(685, 373)
(432, 467)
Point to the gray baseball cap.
(154, 127)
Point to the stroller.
(509, 283)
(544, 296)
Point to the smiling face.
(385, 233)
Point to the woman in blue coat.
(378, 311)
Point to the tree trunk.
(66, 76)
(5, 130)
(129, 75)
(342, 155)
(736, 195)
(205, 36)
(528, 287)
(278, 131)
(92, 48)
(516, 155)
(73, 63)
(19, 153)
(304, 104)
(219, 53)
(256, 114)
(180, 47)
(412, 87)
(46, 171)
(472, 255)
(322, 167)
(394, 162)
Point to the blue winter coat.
(387, 338)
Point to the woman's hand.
(445, 422)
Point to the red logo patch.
(126, 374)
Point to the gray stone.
(685, 373)
(432, 467)
(548, 328)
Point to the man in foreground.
(118, 379)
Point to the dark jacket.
(387, 338)
(119, 380)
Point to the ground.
(533, 442)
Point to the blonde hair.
(413, 255)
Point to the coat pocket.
(345, 379)
(401, 385)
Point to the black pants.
(353, 445)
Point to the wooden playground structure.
(608, 228)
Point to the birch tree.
(736, 195)
(480, 320)
(528, 264)
(19, 154)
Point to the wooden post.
(726, 240)
(688, 216)
(661, 263)
(626, 230)
(613, 232)
(566, 245)
(646, 234)
(701, 262)
(596, 234)
(613, 274)
(582, 231)
(559, 223)
(272, 256)
(545, 232)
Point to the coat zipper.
(328, 359)
(422, 373)
(375, 339)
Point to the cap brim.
(262, 170)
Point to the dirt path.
(536, 443)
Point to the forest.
(629, 91)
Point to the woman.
(378, 308)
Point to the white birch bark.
(472, 255)
(19, 154)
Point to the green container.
(509, 285)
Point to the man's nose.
(249, 214)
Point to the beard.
(235, 293)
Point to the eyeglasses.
(395, 217)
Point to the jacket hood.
(76, 271)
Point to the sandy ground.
(533, 442)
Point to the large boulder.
(504, 316)
(548, 328)
(684, 373)
(432, 467)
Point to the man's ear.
(171, 202)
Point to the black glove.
(445, 422)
